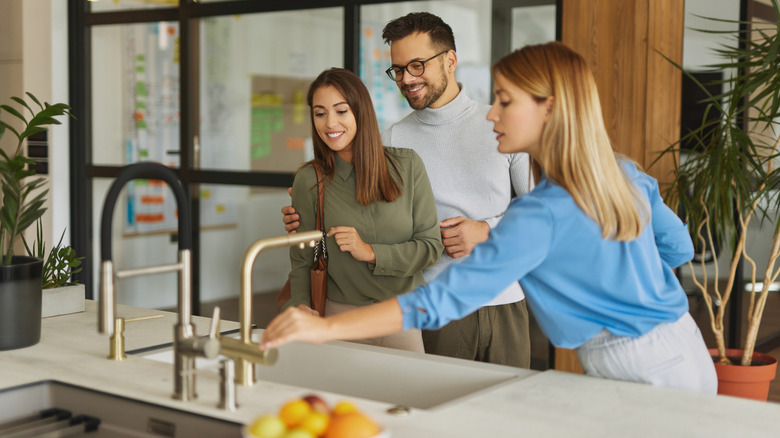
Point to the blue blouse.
(576, 282)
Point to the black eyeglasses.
(415, 68)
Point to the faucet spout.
(186, 345)
(106, 287)
(244, 370)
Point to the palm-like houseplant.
(22, 193)
(23, 196)
(730, 178)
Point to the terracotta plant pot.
(747, 382)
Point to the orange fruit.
(351, 425)
(316, 423)
(294, 411)
(344, 407)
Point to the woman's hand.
(348, 240)
(295, 324)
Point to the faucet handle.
(214, 329)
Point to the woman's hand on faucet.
(295, 325)
(348, 240)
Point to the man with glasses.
(472, 182)
(449, 131)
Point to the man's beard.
(433, 93)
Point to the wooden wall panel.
(640, 90)
(664, 85)
(567, 360)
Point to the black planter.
(20, 303)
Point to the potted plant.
(23, 198)
(728, 180)
(61, 295)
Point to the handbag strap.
(320, 248)
(320, 200)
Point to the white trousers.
(410, 340)
(672, 355)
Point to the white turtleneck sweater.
(469, 177)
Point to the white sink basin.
(380, 374)
(118, 416)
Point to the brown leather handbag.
(319, 270)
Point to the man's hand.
(460, 235)
(348, 240)
(290, 217)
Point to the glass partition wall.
(216, 91)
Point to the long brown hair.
(369, 157)
(576, 151)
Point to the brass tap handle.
(214, 329)
(117, 341)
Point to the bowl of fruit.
(312, 417)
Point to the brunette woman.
(380, 214)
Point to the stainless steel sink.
(119, 416)
(374, 373)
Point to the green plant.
(22, 201)
(729, 178)
(60, 264)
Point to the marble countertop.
(543, 404)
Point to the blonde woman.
(593, 245)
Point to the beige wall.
(10, 56)
(33, 57)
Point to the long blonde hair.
(576, 152)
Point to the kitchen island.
(512, 402)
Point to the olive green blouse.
(404, 234)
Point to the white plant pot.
(63, 300)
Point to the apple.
(268, 426)
(317, 403)
(298, 433)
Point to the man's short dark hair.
(439, 32)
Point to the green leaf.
(10, 128)
(14, 113)
(23, 195)
(21, 101)
(34, 99)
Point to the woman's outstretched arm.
(295, 325)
